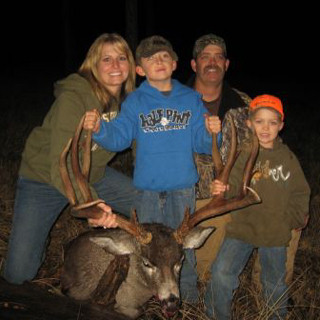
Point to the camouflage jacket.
(233, 104)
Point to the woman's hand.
(92, 120)
(217, 187)
(107, 220)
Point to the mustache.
(212, 66)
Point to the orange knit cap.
(267, 101)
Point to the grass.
(23, 111)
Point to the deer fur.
(153, 269)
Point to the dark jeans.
(168, 208)
(37, 207)
(231, 260)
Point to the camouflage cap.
(152, 45)
(205, 40)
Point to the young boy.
(168, 122)
(281, 184)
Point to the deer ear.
(196, 237)
(119, 245)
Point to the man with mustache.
(210, 64)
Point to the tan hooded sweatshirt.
(281, 184)
(40, 158)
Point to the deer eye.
(147, 263)
(178, 265)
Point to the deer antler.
(218, 204)
(89, 208)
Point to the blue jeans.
(38, 206)
(168, 208)
(230, 262)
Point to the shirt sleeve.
(118, 134)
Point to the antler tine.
(223, 175)
(87, 155)
(79, 177)
(248, 171)
(216, 158)
(219, 205)
(65, 175)
(134, 228)
(223, 172)
(89, 208)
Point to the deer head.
(155, 251)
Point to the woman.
(105, 77)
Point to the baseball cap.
(151, 45)
(207, 39)
(267, 101)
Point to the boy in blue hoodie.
(169, 123)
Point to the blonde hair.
(252, 112)
(88, 69)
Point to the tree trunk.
(132, 23)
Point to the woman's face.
(113, 68)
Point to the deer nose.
(173, 299)
(170, 306)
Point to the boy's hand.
(213, 123)
(217, 187)
(107, 220)
(306, 220)
(92, 120)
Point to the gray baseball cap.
(151, 45)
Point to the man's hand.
(213, 123)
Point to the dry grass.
(304, 292)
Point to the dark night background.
(273, 48)
(268, 44)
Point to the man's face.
(211, 65)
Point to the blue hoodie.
(168, 129)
